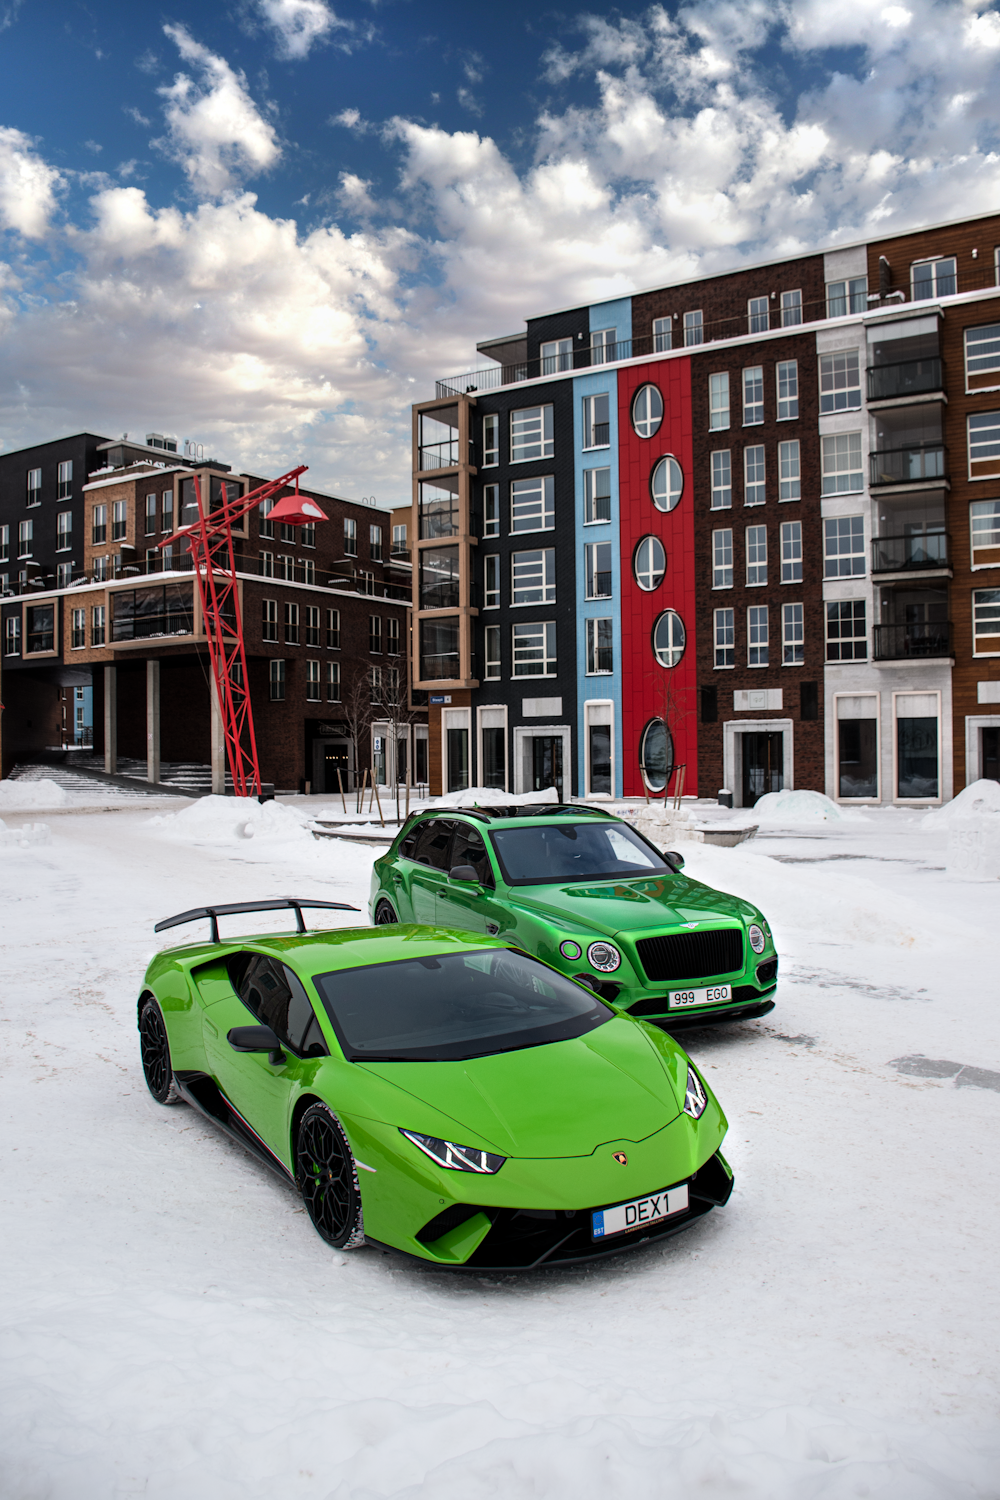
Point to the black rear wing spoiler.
(290, 903)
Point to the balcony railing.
(439, 455)
(916, 461)
(912, 377)
(399, 555)
(916, 642)
(904, 554)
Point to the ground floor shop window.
(599, 752)
(857, 758)
(917, 746)
(458, 759)
(494, 770)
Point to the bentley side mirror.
(674, 860)
(464, 872)
(256, 1039)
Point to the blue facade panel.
(616, 315)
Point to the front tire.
(155, 1048)
(385, 914)
(328, 1179)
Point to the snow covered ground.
(173, 1327)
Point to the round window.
(656, 755)
(668, 638)
(666, 483)
(647, 411)
(649, 563)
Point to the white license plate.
(639, 1213)
(713, 995)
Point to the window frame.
(754, 315)
(753, 379)
(269, 620)
(596, 627)
(836, 395)
(991, 460)
(591, 573)
(793, 634)
(725, 461)
(724, 623)
(492, 659)
(790, 537)
(491, 439)
(718, 386)
(33, 487)
(830, 444)
(276, 679)
(755, 556)
(990, 604)
(649, 542)
(833, 527)
(694, 325)
(935, 294)
(591, 498)
(991, 374)
(545, 441)
(491, 580)
(663, 329)
(591, 427)
(796, 479)
(547, 570)
(312, 681)
(834, 613)
(546, 633)
(646, 424)
(791, 307)
(758, 616)
(333, 630)
(722, 558)
(64, 531)
(790, 400)
(491, 509)
(992, 531)
(333, 682)
(755, 463)
(547, 508)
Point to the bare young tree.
(356, 706)
(394, 707)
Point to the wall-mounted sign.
(440, 697)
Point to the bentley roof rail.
(282, 903)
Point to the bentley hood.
(633, 905)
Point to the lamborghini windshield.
(554, 852)
(454, 1005)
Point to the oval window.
(647, 411)
(669, 638)
(666, 483)
(649, 563)
(656, 755)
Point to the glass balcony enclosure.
(907, 445)
(438, 438)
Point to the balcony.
(912, 377)
(912, 464)
(442, 455)
(919, 552)
(917, 642)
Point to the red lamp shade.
(297, 510)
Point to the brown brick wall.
(723, 300)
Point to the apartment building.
(103, 641)
(744, 525)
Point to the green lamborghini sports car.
(584, 891)
(434, 1092)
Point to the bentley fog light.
(756, 937)
(695, 1098)
(604, 957)
(569, 949)
(456, 1158)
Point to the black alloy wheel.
(156, 1054)
(384, 914)
(328, 1179)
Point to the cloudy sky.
(267, 225)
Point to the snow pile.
(17, 796)
(491, 796)
(800, 807)
(982, 797)
(227, 820)
(972, 821)
(24, 838)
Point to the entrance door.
(763, 765)
(336, 757)
(547, 762)
(991, 754)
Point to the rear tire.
(385, 914)
(328, 1179)
(155, 1047)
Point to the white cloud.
(28, 185)
(298, 24)
(214, 128)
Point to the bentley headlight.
(695, 1098)
(604, 957)
(456, 1158)
(757, 939)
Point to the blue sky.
(268, 225)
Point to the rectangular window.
(392, 636)
(754, 484)
(312, 624)
(534, 649)
(4, 543)
(839, 382)
(718, 401)
(150, 505)
(64, 575)
(167, 510)
(308, 570)
(277, 680)
(99, 527)
(375, 683)
(286, 568)
(78, 633)
(596, 495)
(984, 523)
(40, 631)
(556, 355)
(597, 569)
(100, 569)
(917, 747)
(793, 635)
(753, 396)
(843, 297)
(398, 540)
(25, 538)
(842, 471)
(757, 632)
(350, 537)
(312, 681)
(756, 544)
(694, 330)
(986, 622)
(603, 345)
(333, 682)
(934, 278)
(758, 320)
(12, 636)
(722, 559)
(791, 309)
(791, 551)
(663, 335)
(846, 635)
(844, 547)
(491, 510)
(269, 620)
(533, 504)
(307, 536)
(789, 472)
(119, 521)
(34, 486)
(533, 577)
(493, 651)
(531, 434)
(596, 421)
(725, 637)
(600, 647)
(375, 635)
(375, 543)
(491, 440)
(333, 630)
(288, 533)
(65, 481)
(722, 480)
(64, 531)
(787, 377)
(266, 526)
(266, 566)
(982, 358)
(491, 581)
(97, 625)
(984, 444)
